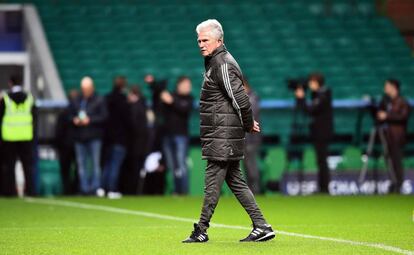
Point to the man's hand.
(300, 93)
(76, 121)
(256, 127)
(86, 121)
(381, 115)
(166, 97)
(81, 122)
(132, 98)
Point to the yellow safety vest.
(17, 125)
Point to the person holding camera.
(321, 124)
(393, 113)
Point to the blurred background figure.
(137, 144)
(252, 144)
(178, 106)
(88, 113)
(65, 146)
(155, 181)
(17, 118)
(156, 87)
(393, 113)
(321, 123)
(116, 130)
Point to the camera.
(294, 84)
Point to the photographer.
(321, 125)
(393, 114)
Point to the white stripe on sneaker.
(266, 236)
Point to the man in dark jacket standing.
(117, 127)
(65, 145)
(178, 106)
(131, 182)
(225, 116)
(394, 112)
(321, 126)
(88, 113)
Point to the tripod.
(299, 127)
(379, 131)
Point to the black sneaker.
(197, 236)
(260, 234)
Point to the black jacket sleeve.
(231, 82)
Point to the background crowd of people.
(120, 143)
(110, 137)
(103, 142)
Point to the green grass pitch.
(365, 225)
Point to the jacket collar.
(217, 51)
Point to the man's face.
(184, 88)
(207, 43)
(390, 90)
(120, 82)
(313, 85)
(87, 88)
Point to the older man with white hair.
(225, 116)
(88, 114)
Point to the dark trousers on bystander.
(13, 151)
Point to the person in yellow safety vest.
(17, 120)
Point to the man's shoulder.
(325, 92)
(403, 101)
(98, 98)
(227, 61)
(226, 58)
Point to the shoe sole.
(194, 241)
(267, 237)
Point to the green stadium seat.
(351, 159)
(274, 165)
(408, 163)
(295, 165)
(309, 160)
(49, 178)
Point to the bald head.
(87, 87)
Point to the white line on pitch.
(174, 218)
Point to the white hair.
(213, 27)
(87, 81)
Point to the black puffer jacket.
(225, 111)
